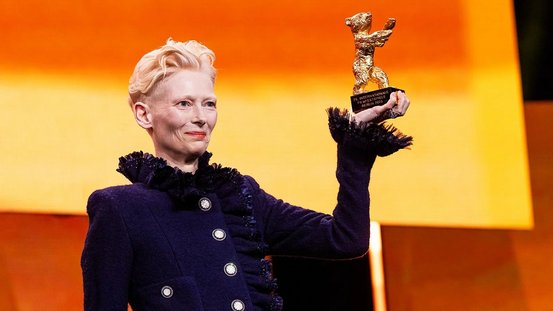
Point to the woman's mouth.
(199, 134)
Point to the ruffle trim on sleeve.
(379, 138)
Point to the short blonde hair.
(161, 63)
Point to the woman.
(189, 235)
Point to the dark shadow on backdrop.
(319, 285)
(534, 20)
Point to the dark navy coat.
(177, 241)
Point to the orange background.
(65, 66)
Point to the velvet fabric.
(179, 241)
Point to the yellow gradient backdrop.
(64, 68)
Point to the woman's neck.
(185, 165)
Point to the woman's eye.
(185, 103)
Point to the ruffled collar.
(142, 167)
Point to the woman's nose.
(199, 115)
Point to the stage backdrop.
(64, 68)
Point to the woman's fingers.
(395, 107)
(390, 104)
(403, 103)
(376, 112)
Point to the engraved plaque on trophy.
(364, 69)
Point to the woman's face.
(182, 112)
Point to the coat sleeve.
(107, 256)
(293, 231)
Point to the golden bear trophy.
(364, 69)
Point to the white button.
(231, 269)
(166, 291)
(237, 305)
(219, 234)
(204, 204)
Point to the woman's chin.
(196, 152)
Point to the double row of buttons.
(236, 305)
(230, 268)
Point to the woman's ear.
(142, 115)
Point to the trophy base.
(367, 100)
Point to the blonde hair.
(161, 63)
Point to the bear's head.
(359, 22)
